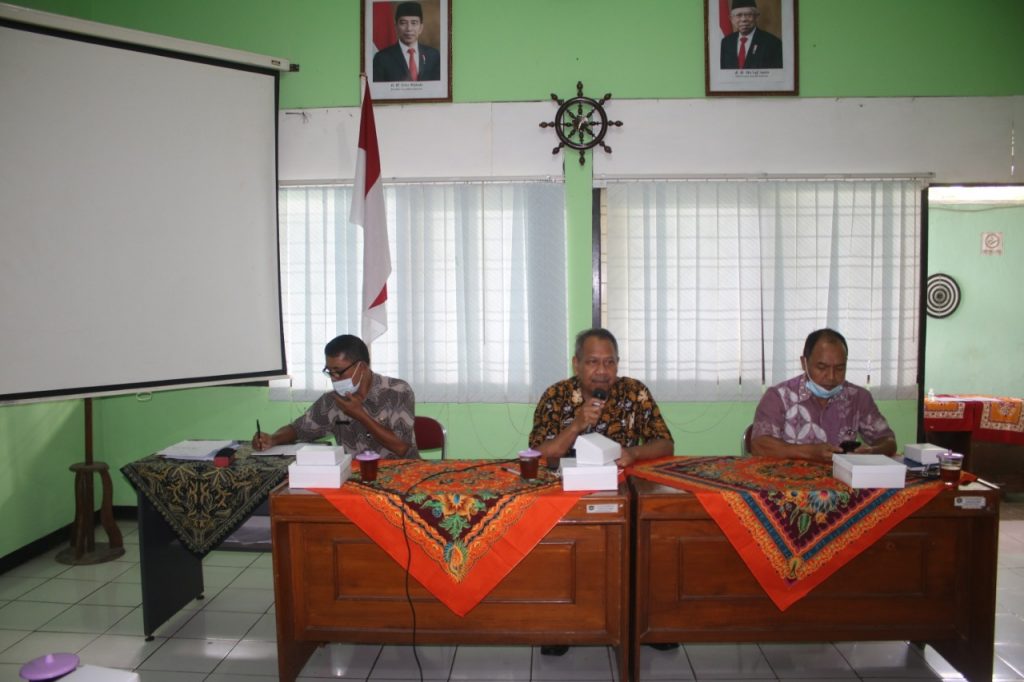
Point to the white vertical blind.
(712, 286)
(476, 299)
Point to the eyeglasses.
(338, 373)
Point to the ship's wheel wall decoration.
(581, 123)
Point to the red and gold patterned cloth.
(988, 418)
(457, 526)
(792, 523)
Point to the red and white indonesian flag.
(368, 211)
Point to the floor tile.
(579, 663)
(119, 651)
(342, 661)
(249, 658)
(265, 628)
(9, 638)
(721, 661)
(261, 578)
(63, 591)
(1012, 655)
(39, 567)
(86, 618)
(479, 663)
(399, 663)
(38, 644)
(13, 587)
(665, 665)
(116, 594)
(131, 624)
(1009, 628)
(188, 655)
(246, 600)
(207, 624)
(97, 572)
(235, 559)
(28, 615)
(814, 661)
(885, 659)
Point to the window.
(712, 286)
(476, 298)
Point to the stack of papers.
(195, 449)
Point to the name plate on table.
(869, 471)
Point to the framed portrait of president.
(407, 50)
(750, 47)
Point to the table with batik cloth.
(988, 430)
(454, 551)
(186, 509)
(732, 549)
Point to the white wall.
(958, 139)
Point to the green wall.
(503, 51)
(979, 348)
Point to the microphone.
(600, 394)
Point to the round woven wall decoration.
(943, 295)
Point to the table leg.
(172, 576)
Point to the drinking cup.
(950, 465)
(529, 463)
(368, 466)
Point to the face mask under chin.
(819, 391)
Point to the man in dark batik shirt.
(626, 413)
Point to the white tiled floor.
(95, 611)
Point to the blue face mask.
(819, 391)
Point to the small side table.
(84, 549)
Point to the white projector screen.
(138, 218)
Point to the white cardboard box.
(92, 673)
(577, 476)
(319, 475)
(923, 453)
(869, 471)
(318, 455)
(593, 449)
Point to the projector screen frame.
(201, 54)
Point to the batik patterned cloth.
(203, 503)
(988, 418)
(793, 524)
(630, 416)
(467, 522)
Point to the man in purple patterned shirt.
(809, 416)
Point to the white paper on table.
(277, 450)
(194, 449)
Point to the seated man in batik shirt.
(597, 400)
(811, 415)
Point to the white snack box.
(92, 673)
(593, 449)
(317, 455)
(869, 471)
(923, 453)
(577, 476)
(319, 475)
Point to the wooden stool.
(83, 549)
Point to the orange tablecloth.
(790, 521)
(987, 418)
(458, 526)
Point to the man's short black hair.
(829, 335)
(595, 333)
(408, 9)
(352, 347)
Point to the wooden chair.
(745, 441)
(430, 435)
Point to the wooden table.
(333, 584)
(931, 580)
(986, 429)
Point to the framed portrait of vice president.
(750, 47)
(407, 50)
